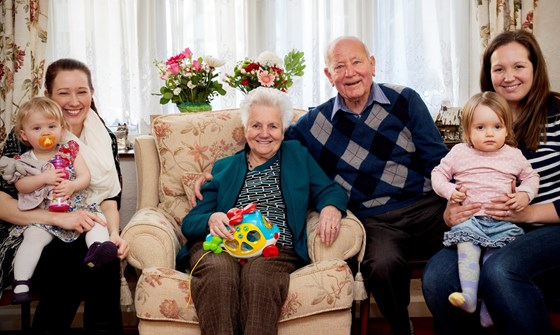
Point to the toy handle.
(235, 215)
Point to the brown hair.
(67, 64)
(50, 109)
(531, 122)
(497, 104)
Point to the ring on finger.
(507, 213)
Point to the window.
(415, 43)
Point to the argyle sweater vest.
(383, 158)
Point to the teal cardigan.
(303, 183)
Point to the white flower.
(177, 90)
(191, 85)
(270, 59)
(212, 61)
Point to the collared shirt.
(375, 95)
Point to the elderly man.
(380, 143)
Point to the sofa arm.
(153, 239)
(350, 241)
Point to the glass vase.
(191, 107)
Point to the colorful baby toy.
(253, 235)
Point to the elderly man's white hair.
(270, 97)
(330, 47)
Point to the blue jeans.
(516, 283)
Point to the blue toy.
(253, 235)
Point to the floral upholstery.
(172, 303)
(168, 162)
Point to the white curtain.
(417, 43)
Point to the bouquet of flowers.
(189, 79)
(268, 70)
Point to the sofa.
(168, 162)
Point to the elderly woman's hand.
(329, 224)
(456, 213)
(218, 225)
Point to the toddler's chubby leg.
(469, 271)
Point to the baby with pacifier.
(58, 179)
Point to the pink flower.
(266, 79)
(196, 65)
(173, 68)
(187, 53)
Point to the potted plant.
(190, 82)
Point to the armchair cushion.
(162, 294)
(192, 147)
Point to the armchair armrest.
(350, 241)
(147, 171)
(152, 239)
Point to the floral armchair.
(168, 162)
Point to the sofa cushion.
(163, 294)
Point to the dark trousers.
(64, 281)
(231, 298)
(393, 238)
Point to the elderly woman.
(232, 298)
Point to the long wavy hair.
(529, 127)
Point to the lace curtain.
(22, 56)
(414, 43)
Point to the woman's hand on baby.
(80, 221)
(122, 245)
(456, 213)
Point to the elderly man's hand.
(204, 177)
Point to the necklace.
(249, 162)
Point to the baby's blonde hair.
(50, 109)
(497, 104)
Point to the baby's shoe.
(21, 297)
(101, 253)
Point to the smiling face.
(511, 73)
(71, 91)
(37, 127)
(350, 69)
(487, 131)
(264, 132)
